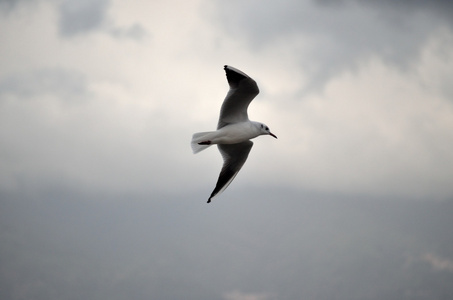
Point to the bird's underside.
(234, 157)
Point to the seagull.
(234, 129)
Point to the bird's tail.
(200, 137)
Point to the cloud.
(438, 263)
(135, 31)
(9, 5)
(328, 37)
(237, 295)
(438, 8)
(81, 16)
(125, 109)
(102, 198)
(59, 245)
(358, 135)
(62, 82)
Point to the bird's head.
(264, 129)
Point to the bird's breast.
(236, 133)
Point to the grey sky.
(340, 34)
(81, 16)
(102, 198)
(72, 246)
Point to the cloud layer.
(102, 198)
(359, 93)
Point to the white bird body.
(230, 134)
(234, 130)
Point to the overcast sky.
(99, 100)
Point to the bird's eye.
(267, 128)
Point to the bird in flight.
(234, 129)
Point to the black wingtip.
(234, 76)
(209, 200)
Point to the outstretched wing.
(234, 157)
(242, 91)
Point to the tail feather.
(198, 138)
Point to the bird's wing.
(242, 91)
(234, 157)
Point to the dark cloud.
(84, 16)
(443, 8)
(78, 17)
(8, 5)
(51, 81)
(60, 245)
(81, 16)
(336, 35)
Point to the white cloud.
(438, 263)
(378, 130)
